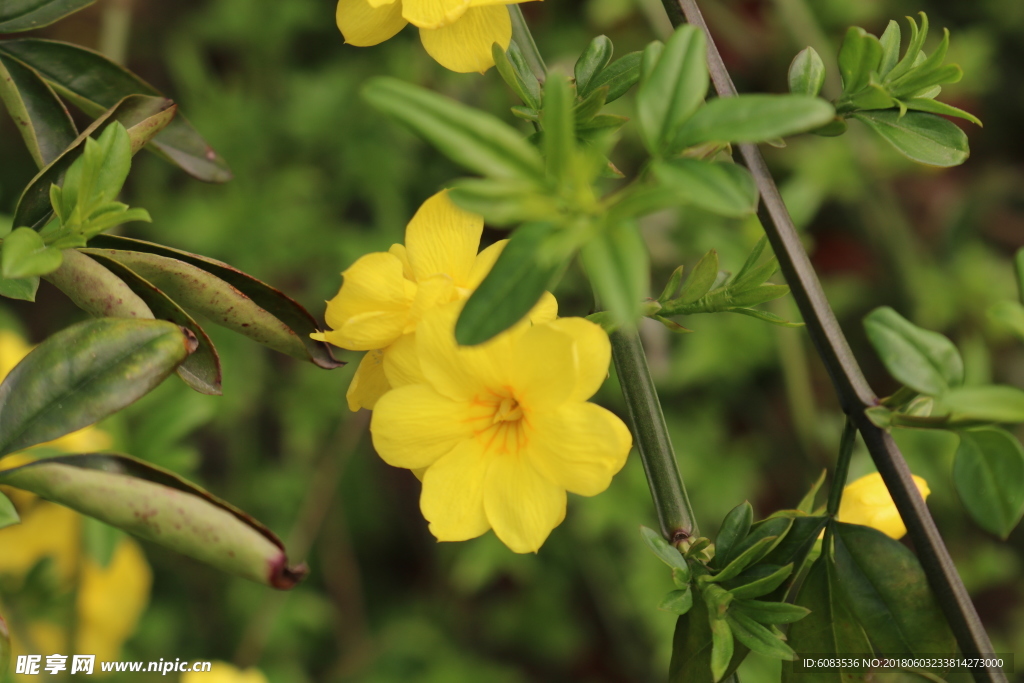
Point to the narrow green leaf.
(41, 118)
(759, 295)
(514, 285)
(722, 648)
(503, 203)
(672, 285)
(673, 89)
(701, 278)
(806, 504)
(758, 638)
(617, 264)
(161, 507)
(25, 255)
(474, 139)
(753, 118)
(910, 57)
(806, 73)
(663, 550)
(989, 477)
(770, 612)
(860, 54)
(27, 15)
(748, 556)
(94, 83)
(887, 591)
(763, 585)
(923, 360)
(933, 107)
(924, 138)
(691, 649)
(734, 529)
(8, 515)
(96, 290)
(796, 545)
(777, 527)
(559, 129)
(748, 274)
(587, 109)
(677, 602)
(525, 86)
(996, 403)
(23, 289)
(923, 74)
(619, 76)
(593, 60)
(927, 85)
(83, 374)
(765, 316)
(890, 41)
(723, 188)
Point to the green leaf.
(806, 504)
(753, 118)
(8, 515)
(23, 289)
(691, 649)
(928, 73)
(26, 15)
(887, 591)
(677, 602)
(917, 38)
(758, 638)
(806, 73)
(41, 118)
(616, 262)
(585, 110)
(472, 138)
(158, 506)
(593, 60)
(995, 403)
(775, 527)
(759, 295)
(84, 373)
(503, 202)
(286, 310)
(748, 556)
(619, 76)
(701, 278)
(763, 585)
(795, 546)
(524, 85)
(142, 116)
(924, 138)
(99, 540)
(734, 529)
(830, 629)
(515, 284)
(1009, 314)
(26, 255)
(933, 107)
(663, 550)
(559, 129)
(722, 648)
(989, 477)
(751, 274)
(769, 612)
(890, 41)
(923, 360)
(860, 54)
(672, 90)
(719, 187)
(672, 285)
(96, 290)
(95, 84)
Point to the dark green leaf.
(777, 527)
(514, 285)
(890, 41)
(770, 612)
(26, 15)
(753, 118)
(982, 404)
(749, 555)
(593, 60)
(763, 585)
(94, 83)
(798, 542)
(524, 85)
(159, 506)
(286, 310)
(469, 137)
(673, 89)
(758, 638)
(923, 360)
(734, 529)
(663, 549)
(989, 476)
(559, 129)
(723, 188)
(85, 373)
(25, 255)
(677, 602)
(887, 591)
(619, 76)
(616, 262)
(142, 116)
(806, 504)
(933, 107)
(41, 118)
(860, 54)
(8, 515)
(23, 289)
(691, 649)
(924, 138)
(806, 73)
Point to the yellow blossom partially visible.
(866, 501)
(456, 33)
(501, 431)
(222, 672)
(111, 600)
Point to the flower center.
(499, 422)
(508, 410)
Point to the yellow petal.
(442, 238)
(373, 305)
(367, 331)
(579, 447)
(544, 368)
(544, 310)
(369, 383)
(431, 292)
(401, 364)
(593, 354)
(399, 252)
(111, 600)
(413, 426)
(521, 505)
(465, 46)
(484, 3)
(12, 349)
(866, 501)
(433, 13)
(363, 23)
(484, 262)
(46, 530)
(443, 367)
(453, 493)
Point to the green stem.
(524, 39)
(835, 494)
(652, 440)
(115, 27)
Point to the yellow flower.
(503, 429)
(385, 294)
(866, 501)
(222, 672)
(111, 600)
(456, 33)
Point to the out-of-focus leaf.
(989, 477)
(559, 128)
(619, 76)
(141, 115)
(673, 89)
(886, 589)
(722, 188)
(923, 360)
(591, 62)
(924, 138)
(274, 302)
(982, 404)
(26, 15)
(1009, 314)
(22, 288)
(8, 515)
(159, 506)
(26, 255)
(94, 83)
(753, 118)
(469, 137)
(85, 373)
(617, 264)
(41, 117)
(806, 73)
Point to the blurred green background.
(321, 179)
